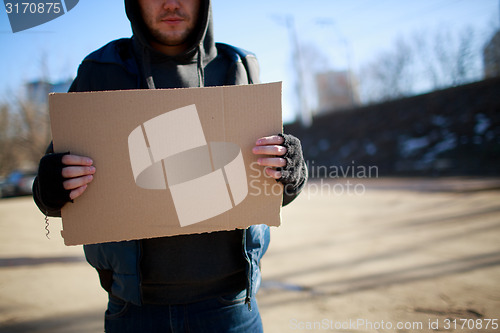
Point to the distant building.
(491, 57)
(38, 91)
(336, 90)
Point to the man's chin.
(171, 40)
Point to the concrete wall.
(451, 132)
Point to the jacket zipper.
(139, 271)
(47, 224)
(248, 298)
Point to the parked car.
(17, 183)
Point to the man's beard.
(169, 40)
(174, 38)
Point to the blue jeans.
(220, 315)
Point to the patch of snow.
(482, 124)
(370, 149)
(440, 121)
(323, 145)
(410, 145)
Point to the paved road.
(370, 258)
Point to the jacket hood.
(201, 49)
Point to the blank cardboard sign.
(168, 161)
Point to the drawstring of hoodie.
(149, 75)
(201, 70)
(147, 68)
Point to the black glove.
(294, 174)
(50, 181)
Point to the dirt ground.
(382, 255)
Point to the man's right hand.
(78, 172)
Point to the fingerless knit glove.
(294, 174)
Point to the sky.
(348, 33)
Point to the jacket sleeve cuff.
(50, 187)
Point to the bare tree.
(389, 75)
(34, 129)
(24, 134)
(450, 60)
(423, 62)
(25, 123)
(7, 156)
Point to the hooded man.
(150, 286)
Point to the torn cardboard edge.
(168, 161)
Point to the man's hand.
(78, 172)
(271, 146)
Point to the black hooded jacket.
(133, 63)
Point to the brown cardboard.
(137, 137)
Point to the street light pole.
(348, 53)
(305, 112)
